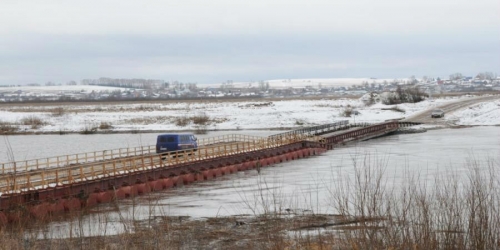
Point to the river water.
(303, 186)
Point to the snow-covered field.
(275, 84)
(59, 89)
(485, 113)
(226, 115)
(313, 82)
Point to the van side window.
(170, 139)
(163, 139)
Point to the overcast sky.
(214, 41)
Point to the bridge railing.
(358, 131)
(65, 160)
(408, 124)
(361, 124)
(103, 155)
(227, 139)
(50, 177)
(314, 130)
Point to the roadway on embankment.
(425, 116)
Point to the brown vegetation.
(201, 119)
(105, 125)
(58, 111)
(89, 128)
(395, 108)
(347, 111)
(182, 121)
(7, 128)
(33, 121)
(448, 213)
(406, 95)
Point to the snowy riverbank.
(226, 115)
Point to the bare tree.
(456, 76)
(263, 86)
(413, 80)
(192, 86)
(485, 75)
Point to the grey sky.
(213, 41)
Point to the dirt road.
(425, 116)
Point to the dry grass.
(58, 111)
(179, 121)
(449, 213)
(335, 106)
(202, 119)
(164, 105)
(89, 128)
(347, 111)
(149, 120)
(33, 121)
(7, 127)
(182, 121)
(105, 125)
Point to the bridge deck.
(82, 172)
(37, 177)
(18, 177)
(338, 132)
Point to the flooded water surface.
(303, 186)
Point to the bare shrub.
(406, 95)
(33, 121)
(105, 125)
(219, 120)
(6, 127)
(448, 212)
(145, 108)
(371, 99)
(322, 105)
(201, 119)
(299, 122)
(347, 111)
(367, 212)
(414, 95)
(89, 128)
(182, 121)
(59, 111)
(148, 120)
(392, 99)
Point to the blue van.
(174, 142)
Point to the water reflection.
(304, 185)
